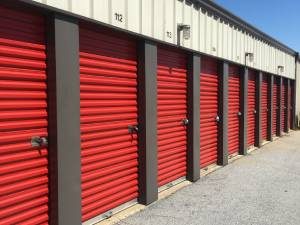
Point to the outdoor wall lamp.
(186, 31)
(280, 69)
(250, 56)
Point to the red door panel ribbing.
(23, 115)
(251, 107)
(264, 107)
(208, 111)
(108, 105)
(172, 109)
(284, 104)
(275, 104)
(233, 109)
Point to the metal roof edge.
(226, 14)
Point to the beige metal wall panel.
(195, 30)
(133, 16)
(214, 44)
(159, 19)
(202, 30)
(220, 39)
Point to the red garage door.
(275, 105)
(208, 111)
(233, 109)
(264, 107)
(108, 101)
(23, 115)
(172, 110)
(284, 104)
(251, 107)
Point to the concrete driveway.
(261, 188)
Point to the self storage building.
(103, 104)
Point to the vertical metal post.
(293, 109)
(270, 107)
(64, 120)
(244, 110)
(193, 128)
(279, 115)
(147, 119)
(223, 111)
(288, 106)
(258, 137)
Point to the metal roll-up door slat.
(275, 105)
(172, 110)
(233, 109)
(264, 107)
(209, 84)
(108, 107)
(251, 107)
(23, 112)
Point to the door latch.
(37, 141)
(254, 111)
(239, 113)
(185, 122)
(217, 118)
(133, 129)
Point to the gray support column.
(279, 115)
(288, 107)
(223, 112)
(64, 120)
(244, 111)
(293, 104)
(270, 107)
(193, 127)
(258, 138)
(147, 135)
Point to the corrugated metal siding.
(108, 105)
(172, 109)
(23, 113)
(276, 99)
(233, 109)
(251, 107)
(264, 107)
(209, 84)
(159, 19)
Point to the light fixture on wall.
(280, 69)
(250, 56)
(186, 32)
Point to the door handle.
(217, 118)
(239, 113)
(254, 111)
(133, 129)
(38, 141)
(185, 122)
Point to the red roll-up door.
(284, 104)
(108, 106)
(251, 107)
(233, 109)
(275, 105)
(264, 107)
(209, 84)
(23, 115)
(172, 110)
